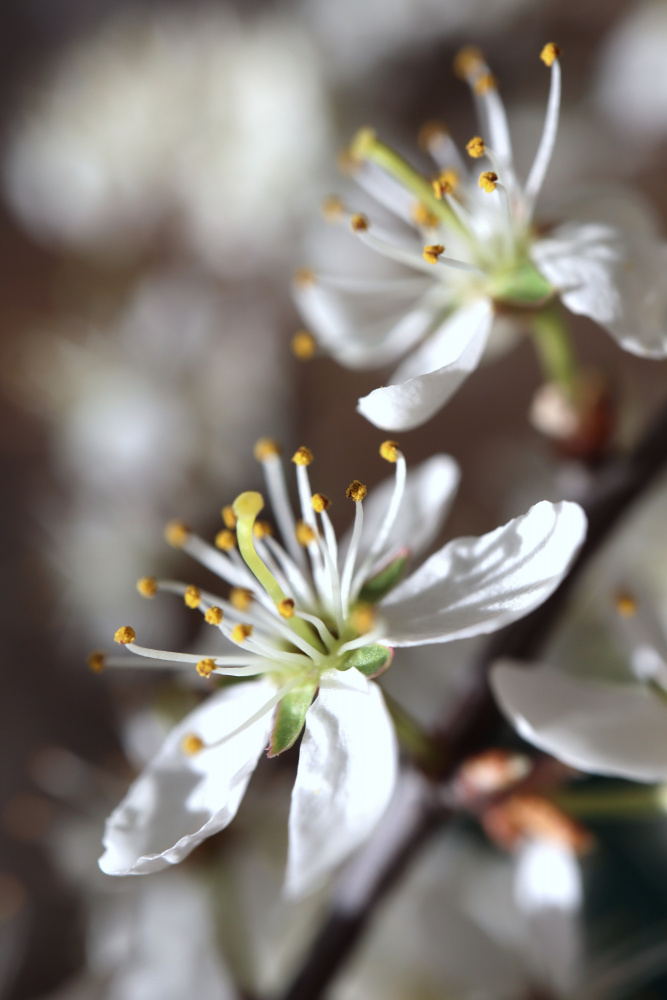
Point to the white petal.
(347, 772)
(613, 729)
(179, 800)
(433, 373)
(477, 585)
(614, 277)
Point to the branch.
(616, 486)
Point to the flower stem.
(553, 344)
(425, 751)
(619, 802)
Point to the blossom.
(470, 239)
(313, 623)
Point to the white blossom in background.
(470, 240)
(313, 623)
(197, 125)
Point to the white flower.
(312, 623)
(472, 246)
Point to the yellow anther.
(225, 540)
(191, 744)
(362, 617)
(487, 181)
(332, 208)
(320, 502)
(286, 608)
(389, 451)
(240, 598)
(192, 596)
(362, 143)
(97, 661)
(423, 217)
(213, 615)
(302, 456)
(229, 517)
(125, 635)
(303, 277)
(476, 147)
(261, 529)
(304, 534)
(206, 667)
(241, 632)
(625, 604)
(347, 162)
(445, 183)
(359, 222)
(248, 505)
(264, 448)
(147, 586)
(484, 83)
(430, 134)
(356, 491)
(432, 251)
(303, 345)
(550, 53)
(468, 61)
(177, 533)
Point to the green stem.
(425, 751)
(553, 344)
(620, 802)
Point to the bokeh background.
(161, 169)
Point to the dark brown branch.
(616, 486)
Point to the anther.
(248, 505)
(147, 586)
(356, 491)
(476, 147)
(264, 448)
(213, 615)
(362, 617)
(125, 635)
(332, 209)
(303, 345)
(445, 183)
(303, 277)
(347, 163)
(430, 134)
(241, 632)
(304, 534)
(487, 181)
(550, 53)
(625, 604)
(484, 83)
(192, 596)
(286, 608)
(359, 222)
(191, 744)
(229, 517)
(206, 667)
(432, 251)
(320, 502)
(389, 451)
(468, 60)
(225, 540)
(240, 598)
(96, 661)
(302, 456)
(423, 217)
(177, 533)
(261, 529)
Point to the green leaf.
(290, 717)
(380, 584)
(371, 661)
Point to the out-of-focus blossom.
(198, 126)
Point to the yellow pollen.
(423, 217)
(445, 183)
(261, 529)
(304, 534)
(432, 251)
(484, 83)
(625, 604)
(320, 502)
(206, 667)
(248, 505)
(303, 277)
(359, 222)
(332, 208)
(362, 143)
(356, 491)
(468, 61)
(476, 147)
(487, 181)
(430, 134)
(96, 661)
(213, 615)
(177, 533)
(264, 448)
(362, 618)
(241, 632)
(225, 540)
(125, 635)
(191, 744)
(192, 596)
(240, 598)
(229, 517)
(286, 608)
(389, 451)
(347, 162)
(550, 53)
(302, 456)
(303, 345)
(147, 586)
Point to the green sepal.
(522, 285)
(290, 717)
(371, 661)
(379, 585)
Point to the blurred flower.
(198, 124)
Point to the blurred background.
(161, 170)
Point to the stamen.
(487, 181)
(125, 635)
(545, 149)
(97, 661)
(476, 147)
(213, 615)
(320, 502)
(192, 596)
(550, 53)
(147, 586)
(359, 222)
(225, 540)
(468, 61)
(356, 491)
(278, 696)
(177, 533)
(303, 277)
(262, 529)
(241, 632)
(431, 134)
(332, 209)
(206, 667)
(432, 251)
(286, 608)
(268, 453)
(266, 448)
(305, 535)
(445, 182)
(484, 83)
(303, 456)
(303, 345)
(625, 603)
(423, 217)
(229, 517)
(389, 451)
(191, 744)
(240, 598)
